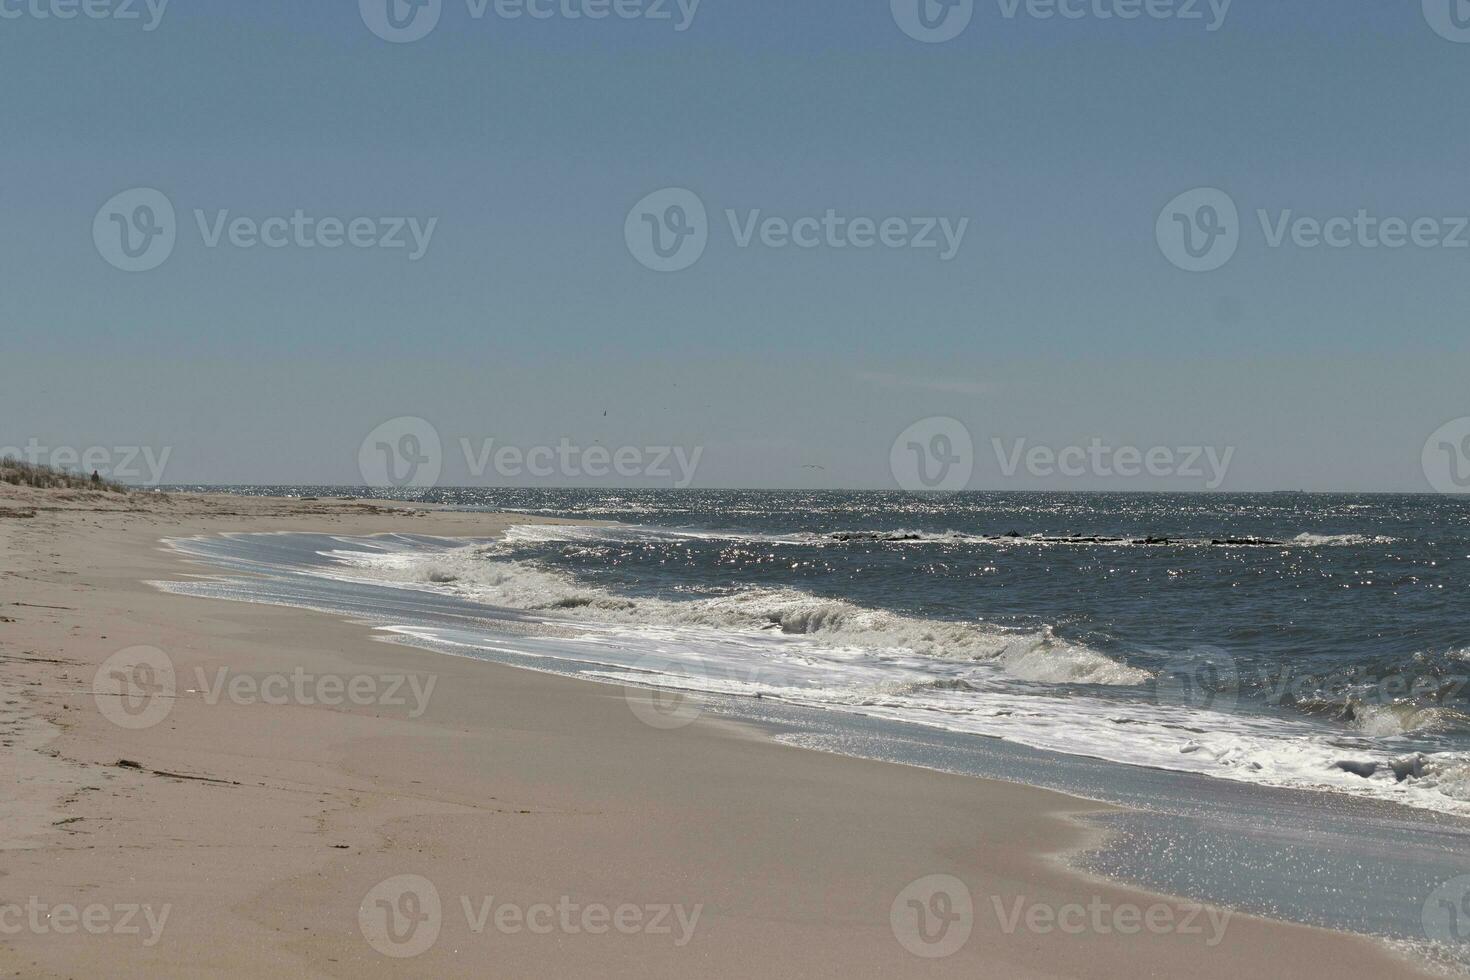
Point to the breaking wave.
(477, 573)
(532, 534)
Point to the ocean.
(1285, 639)
(1205, 658)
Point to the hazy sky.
(1053, 143)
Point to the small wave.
(478, 574)
(1386, 720)
(536, 534)
(1307, 540)
(1447, 773)
(903, 536)
(1059, 662)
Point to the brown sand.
(264, 826)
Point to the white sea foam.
(533, 534)
(476, 573)
(1383, 720)
(1307, 540)
(791, 646)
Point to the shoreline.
(264, 826)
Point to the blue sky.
(1059, 319)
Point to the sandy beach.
(558, 834)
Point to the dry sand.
(263, 827)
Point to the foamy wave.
(1385, 720)
(904, 536)
(1447, 773)
(1057, 662)
(800, 649)
(475, 573)
(1307, 540)
(533, 534)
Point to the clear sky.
(1059, 318)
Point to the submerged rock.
(1357, 768)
